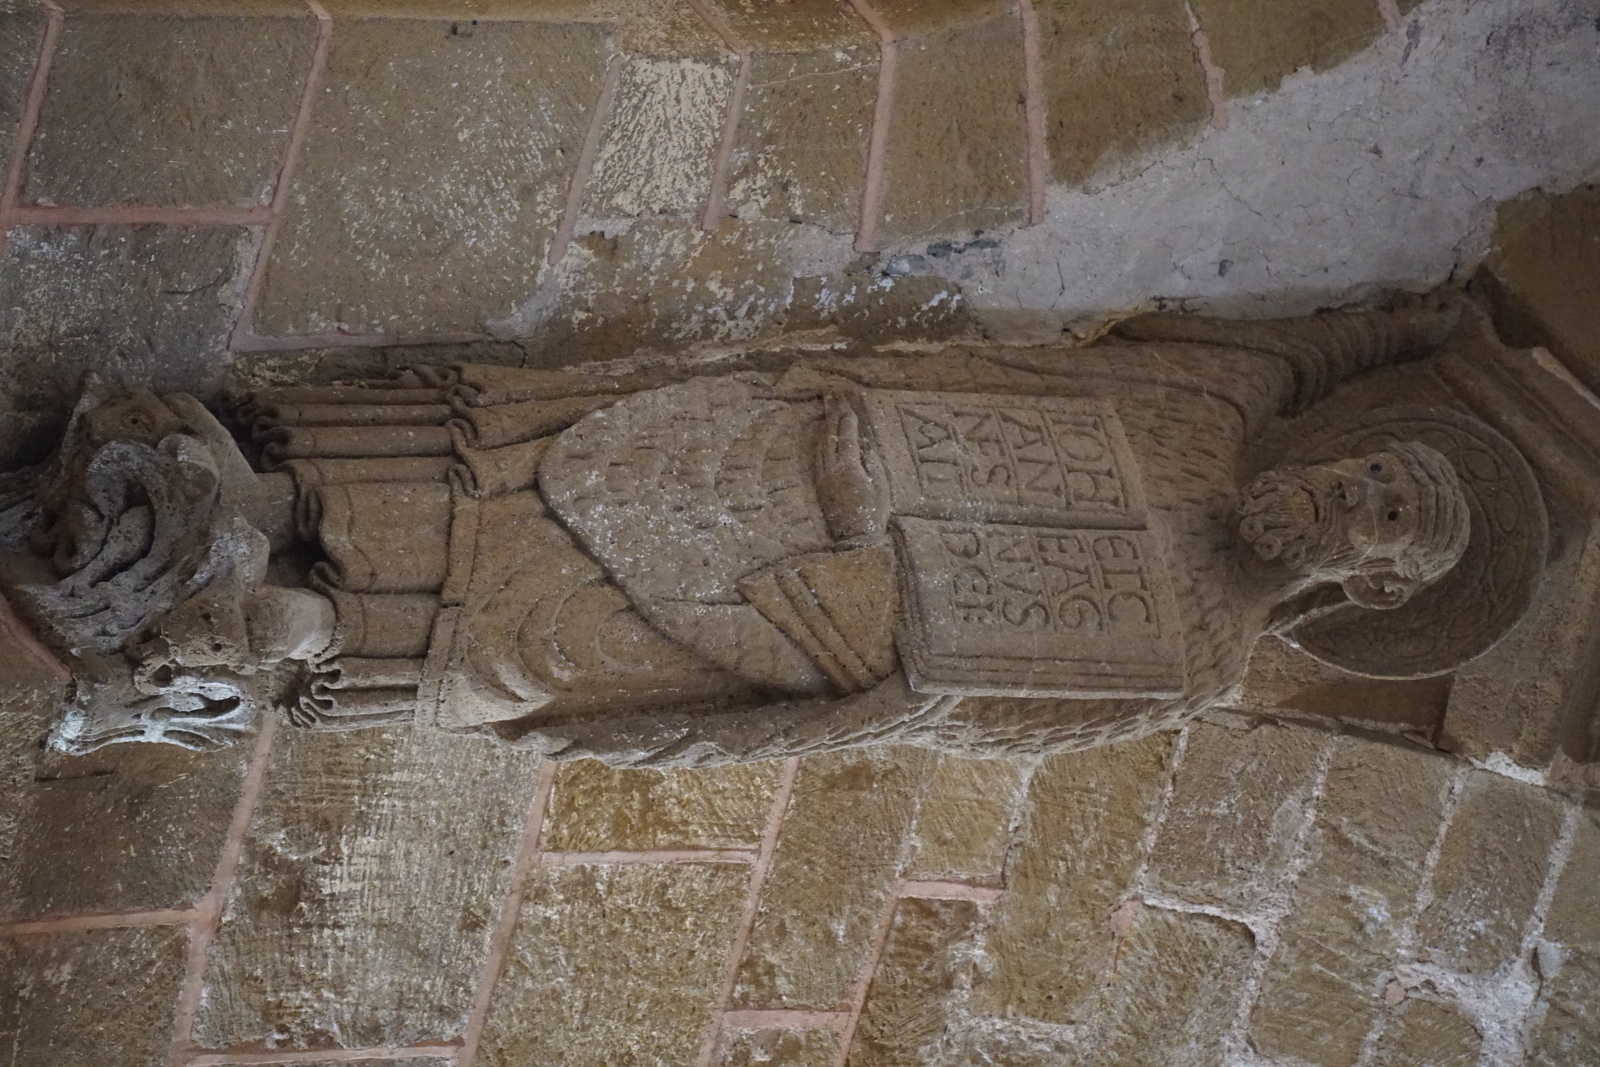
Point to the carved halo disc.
(1467, 612)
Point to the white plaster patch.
(1381, 173)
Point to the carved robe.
(641, 571)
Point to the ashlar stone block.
(907, 1002)
(146, 304)
(801, 148)
(1119, 80)
(792, 26)
(920, 18)
(1258, 45)
(105, 997)
(1176, 991)
(614, 965)
(435, 172)
(658, 149)
(1491, 869)
(361, 912)
(21, 32)
(777, 1048)
(1566, 1023)
(171, 111)
(831, 876)
(1238, 799)
(1073, 865)
(596, 808)
(1378, 818)
(963, 826)
(1425, 1033)
(955, 160)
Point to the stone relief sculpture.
(982, 551)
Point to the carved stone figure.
(983, 551)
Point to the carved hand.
(851, 486)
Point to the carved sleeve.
(1320, 351)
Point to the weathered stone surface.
(1377, 820)
(792, 25)
(955, 161)
(963, 826)
(1425, 1033)
(831, 875)
(777, 1048)
(190, 112)
(20, 34)
(1284, 679)
(1566, 1026)
(659, 146)
(801, 148)
(128, 828)
(1175, 992)
(613, 965)
(434, 173)
(1490, 871)
(104, 998)
(596, 808)
(1545, 258)
(917, 18)
(1574, 916)
(1075, 862)
(1258, 46)
(442, 1061)
(29, 702)
(374, 869)
(1237, 801)
(872, 309)
(1119, 80)
(145, 304)
(904, 1014)
(992, 1042)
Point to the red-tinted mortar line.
(1389, 11)
(494, 960)
(878, 145)
(869, 967)
(1216, 94)
(243, 329)
(137, 215)
(658, 856)
(717, 198)
(19, 630)
(73, 924)
(442, 1053)
(208, 913)
(783, 1019)
(1033, 107)
(586, 156)
(752, 905)
(17, 165)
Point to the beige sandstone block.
(1024, 1046)
(372, 876)
(871, 310)
(1238, 799)
(185, 112)
(103, 998)
(1377, 820)
(1074, 864)
(1258, 44)
(1574, 917)
(777, 1048)
(917, 18)
(955, 161)
(801, 148)
(435, 172)
(597, 808)
(1282, 679)
(148, 304)
(792, 25)
(659, 146)
(963, 827)
(906, 1004)
(1425, 1033)
(430, 1062)
(1566, 1021)
(21, 30)
(1176, 991)
(1119, 80)
(1492, 866)
(128, 828)
(614, 965)
(836, 859)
